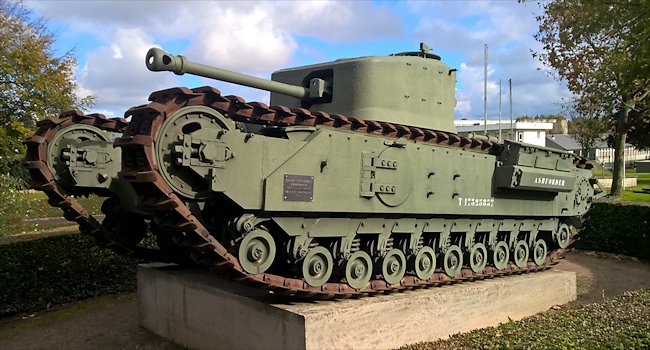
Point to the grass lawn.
(33, 205)
(642, 181)
(39, 208)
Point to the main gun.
(158, 60)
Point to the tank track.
(140, 168)
(58, 196)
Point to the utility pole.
(485, 60)
(499, 108)
(512, 134)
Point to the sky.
(110, 40)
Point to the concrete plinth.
(198, 311)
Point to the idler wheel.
(393, 266)
(425, 263)
(256, 251)
(500, 256)
(453, 261)
(171, 147)
(539, 252)
(478, 257)
(563, 236)
(520, 254)
(358, 270)
(71, 136)
(317, 266)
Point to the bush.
(620, 323)
(620, 228)
(13, 204)
(55, 270)
(13, 167)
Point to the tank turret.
(412, 88)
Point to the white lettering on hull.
(475, 202)
(549, 181)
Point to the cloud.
(339, 22)
(116, 72)
(248, 41)
(255, 37)
(508, 30)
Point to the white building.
(601, 152)
(527, 132)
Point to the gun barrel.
(158, 60)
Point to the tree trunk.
(619, 150)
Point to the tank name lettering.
(475, 202)
(549, 181)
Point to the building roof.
(568, 143)
(477, 125)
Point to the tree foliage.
(586, 131)
(640, 126)
(540, 117)
(602, 50)
(34, 82)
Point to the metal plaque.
(298, 188)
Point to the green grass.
(642, 181)
(39, 208)
(33, 205)
(598, 170)
(620, 323)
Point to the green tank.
(73, 155)
(352, 183)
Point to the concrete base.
(198, 311)
(607, 182)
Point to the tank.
(352, 183)
(72, 155)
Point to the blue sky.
(111, 38)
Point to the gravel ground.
(111, 322)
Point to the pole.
(511, 131)
(485, 60)
(499, 108)
(623, 168)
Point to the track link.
(140, 168)
(58, 196)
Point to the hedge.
(617, 227)
(54, 270)
(12, 166)
(619, 323)
(10, 199)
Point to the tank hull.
(315, 190)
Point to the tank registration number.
(475, 202)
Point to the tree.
(34, 82)
(639, 133)
(586, 131)
(602, 51)
(540, 117)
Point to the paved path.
(111, 322)
(604, 277)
